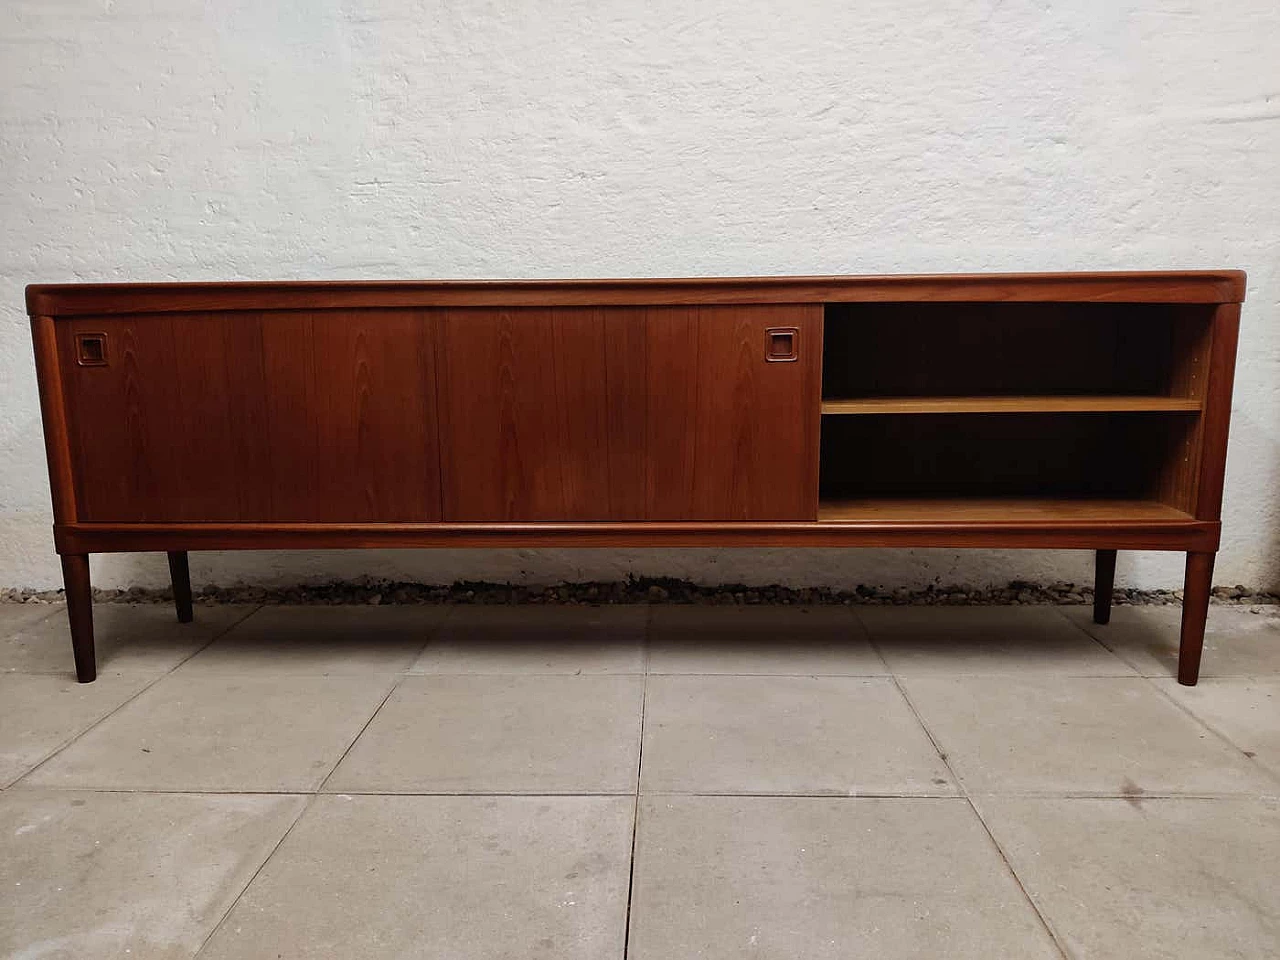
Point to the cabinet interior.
(974, 409)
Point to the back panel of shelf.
(1135, 456)
(1014, 349)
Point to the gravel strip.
(643, 590)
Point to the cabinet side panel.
(53, 414)
(1217, 411)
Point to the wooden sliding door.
(242, 417)
(630, 413)
(542, 414)
(734, 395)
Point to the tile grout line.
(395, 685)
(145, 687)
(310, 799)
(871, 642)
(1136, 670)
(1004, 857)
(1035, 795)
(1200, 721)
(635, 809)
(964, 793)
(432, 633)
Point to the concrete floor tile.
(1099, 736)
(209, 733)
(955, 641)
(535, 639)
(130, 638)
(321, 641)
(455, 877)
(460, 734)
(40, 713)
(1174, 879)
(1246, 712)
(1239, 641)
(824, 879)
(19, 616)
(142, 876)
(797, 641)
(844, 736)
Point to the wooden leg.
(1195, 612)
(75, 578)
(180, 574)
(1104, 580)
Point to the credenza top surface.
(79, 299)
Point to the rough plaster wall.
(252, 139)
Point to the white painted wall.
(261, 139)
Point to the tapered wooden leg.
(75, 578)
(180, 574)
(1195, 613)
(1104, 580)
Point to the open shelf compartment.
(1013, 357)
(1038, 466)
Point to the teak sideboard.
(1081, 411)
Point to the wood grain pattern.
(120, 420)
(626, 365)
(1085, 411)
(1217, 413)
(216, 408)
(625, 414)
(671, 403)
(533, 421)
(922, 349)
(1081, 456)
(256, 417)
(755, 423)
(1060, 534)
(53, 414)
(1024, 404)
(1195, 286)
(378, 449)
(997, 509)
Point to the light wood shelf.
(995, 509)
(1002, 404)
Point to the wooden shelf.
(1024, 404)
(994, 509)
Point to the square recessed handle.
(91, 349)
(782, 344)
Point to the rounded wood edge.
(53, 413)
(1180, 535)
(1196, 286)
